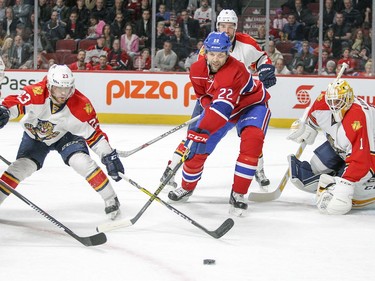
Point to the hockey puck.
(209, 261)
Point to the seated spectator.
(20, 52)
(163, 14)
(21, 11)
(368, 70)
(108, 37)
(62, 11)
(299, 69)
(279, 21)
(94, 52)
(260, 37)
(118, 8)
(118, 59)
(143, 61)
(181, 46)
(280, 67)
(80, 64)
(118, 25)
(169, 30)
(193, 57)
(7, 45)
(189, 26)
(325, 59)
(273, 53)
(293, 30)
(345, 57)
(161, 37)
(329, 14)
(166, 58)
(342, 34)
(362, 59)
(358, 43)
(99, 11)
(129, 41)
(10, 23)
(352, 16)
(54, 29)
(306, 57)
(330, 69)
(325, 47)
(303, 16)
(204, 15)
(40, 63)
(143, 28)
(103, 64)
(83, 13)
(73, 29)
(43, 44)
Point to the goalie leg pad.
(301, 175)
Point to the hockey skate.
(112, 207)
(238, 204)
(171, 182)
(180, 195)
(262, 179)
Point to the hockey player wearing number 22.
(230, 97)
(58, 117)
(341, 171)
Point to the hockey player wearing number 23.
(341, 171)
(230, 97)
(59, 117)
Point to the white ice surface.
(284, 240)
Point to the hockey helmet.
(227, 16)
(339, 97)
(60, 81)
(217, 42)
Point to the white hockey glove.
(334, 195)
(300, 131)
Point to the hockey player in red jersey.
(246, 50)
(58, 117)
(341, 172)
(230, 98)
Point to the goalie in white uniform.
(58, 117)
(341, 172)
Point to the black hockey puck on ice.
(209, 261)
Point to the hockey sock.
(250, 148)
(192, 171)
(177, 154)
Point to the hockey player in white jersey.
(58, 117)
(246, 50)
(341, 172)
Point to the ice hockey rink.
(283, 240)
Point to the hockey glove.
(198, 137)
(301, 131)
(267, 75)
(4, 116)
(113, 164)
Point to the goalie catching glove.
(113, 165)
(4, 116)
(267, 75)
(198, 137)
(300, 131)
(334, 195)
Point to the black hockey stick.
(219, 232)
(171, 131)
(4, 160)
(94, 240)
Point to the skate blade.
(237, 212)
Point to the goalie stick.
(93, 240)
(269, 196)
(130, 152)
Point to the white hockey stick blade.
(113, 225)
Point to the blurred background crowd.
(117, 34)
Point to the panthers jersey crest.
(42, 131)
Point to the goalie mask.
(339, 97)
(60, 83)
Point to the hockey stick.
(94, 240)
(130, 152)
(219, 232)
(263, 197)
(269, 196)
(4, 160)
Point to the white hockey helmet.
(227, 16)
(339, 97)
(60, 78)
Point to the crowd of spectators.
(347, 32)
(118, 32)
(121, 30)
